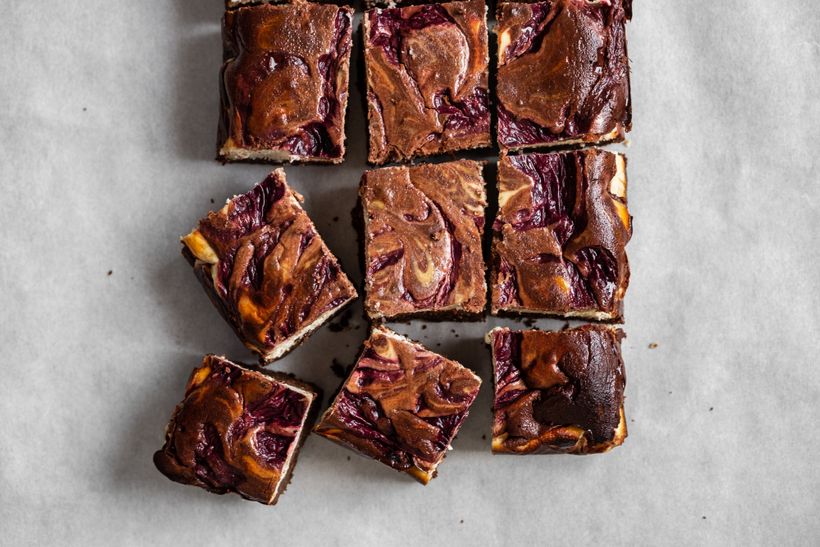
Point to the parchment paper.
(108, 121)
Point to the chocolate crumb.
(212, 200)
(529, 322)
(348, 458)
(110, 272)
(711, 408)
(704, 517)
(85, 109)
(653, 345)
(484, 437)
(438, 344)
(335, 219)
(670, 393)
(461, 521)
(424, 327)
(566, 325)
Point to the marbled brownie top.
(267, 268)
(560, 235)
(427, 79)
(558, 391)
(237, 430)
(423, 228)
(401, 405)
(284, 81)
(563, 72)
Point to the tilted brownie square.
(559, 240)
(563, 73)
(238, 430)
(422, 230)
(266, 268)
(401, 405)
(284, 82)
(426, 80)
(558, 392)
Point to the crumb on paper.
(110, 272)
(653, 345)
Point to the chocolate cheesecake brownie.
(401, 405)
(422, 241)
(284, 82)
(559, 239)
(563, 73)
(426, 70)
(266, 268)
(238, 430)
(558, 392)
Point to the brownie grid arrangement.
(557, 241)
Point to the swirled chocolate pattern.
(266, 268)
(423, 228)
(560, 235)
(401, 405)
(237, 430)
(558, 391)
(426, 79)
(284, 82)
(563, 72)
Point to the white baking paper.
(108, 116)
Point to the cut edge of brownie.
(391, 156)
(420, 476)
(581, 448)
(617, 135)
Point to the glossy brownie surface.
(284, 82)
(560, 235)
(423, 228)
(558, 391)
(401, 405)
(427, 80)
(266, 268)
(563, 72)
(237, 430)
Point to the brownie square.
(238, 430)
(560, 235)
(558, 392)
(422, 231)
(266, 268)
(283, 84)
(426, 69)
(563, 73)
(401, 405)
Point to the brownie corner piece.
(266, 268)
(558, 392)
(423, 227)
(401, 405)
(563, 73)
(283, 96)
(560, 235)
(238, 430)
(427, 79)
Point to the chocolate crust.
(423, 227)
(266, 269)
(427, 80)
(557, 392)
(238, 429)
(401, 405)
(268, 63)
(580, 92)
(560, 235)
